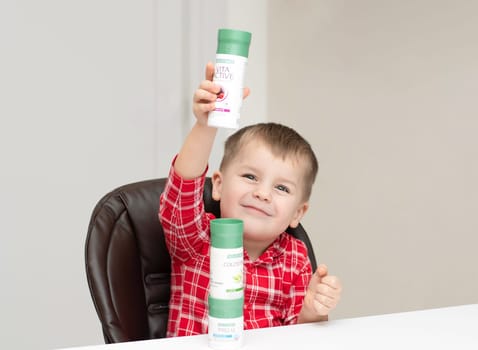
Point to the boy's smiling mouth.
(257, 210)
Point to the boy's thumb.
(321, 271)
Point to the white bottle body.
(226, 277)
(229, 73)
(226, 333)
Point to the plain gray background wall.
(386, 92)
(95, 94)
(78, 118)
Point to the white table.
(442, 328)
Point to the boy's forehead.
(256, 148)
(252, 147)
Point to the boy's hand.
(205, 96)
(323, 293)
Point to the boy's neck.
(254, 249)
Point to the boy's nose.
(262, 194)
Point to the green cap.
(233, 42)
(221, 308)
(227, 233)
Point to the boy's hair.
(283, 142)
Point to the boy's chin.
(259, 233)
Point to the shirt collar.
(275, 250)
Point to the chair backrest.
(128, 265)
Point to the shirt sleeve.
(183, 218)
(298, 290)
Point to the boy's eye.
(283, 188)
(249, 176)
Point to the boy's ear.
(299, 214)
(216, 185)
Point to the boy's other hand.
(204, 99)
(323, 293)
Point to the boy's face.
(265, 191)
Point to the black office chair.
(128, 265)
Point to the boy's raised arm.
(194, 154)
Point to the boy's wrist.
(194, 155)
(309, 314)
(203, 122)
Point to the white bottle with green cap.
(226, 259)
(226, 323)
(226, 287)
(231, 60)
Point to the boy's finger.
(210, 86)
(246, 92)
(333, 282)
(207, 107)
(202, 95)
(322, 270)
(321, 309)
(209, 71)
(325, 300)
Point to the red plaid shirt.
(275, 283)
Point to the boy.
(265, 179)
